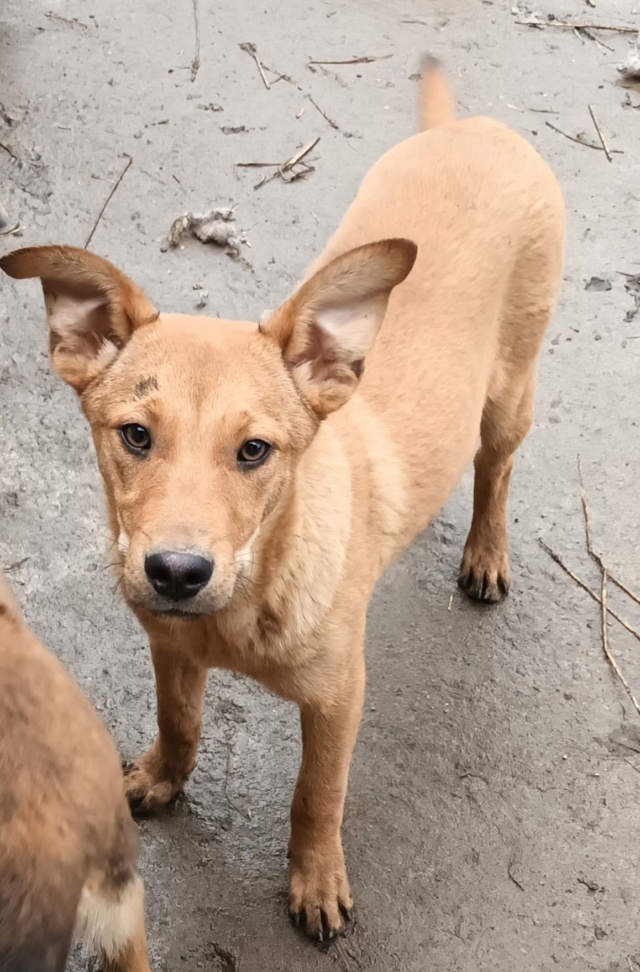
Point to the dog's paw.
(147, 787)
(319, 894)
(484, 574)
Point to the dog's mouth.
(177, 613)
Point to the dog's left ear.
(92, 308)
(328, 326)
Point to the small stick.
(600, 134)
(572, 138)
(558, 560)
(16, 565)
(631, 764)
(326, 117)
(602, 601)
(108, 200)
(510, 864)
(367, 59)
(539, 111)
(625, 590)
(298, 157)
(65, 20)
(252, 51)
(341, 955)
(587, 519)
(283, 167)
(258, 165)
(598, 43)
(605, 643)
(579, 141)
(563, 23)
(594, 556)
(9, 152)
(195, 64)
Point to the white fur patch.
(123, 537)
(244, 556)
(109, 926)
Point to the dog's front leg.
(319, 889)
(153, 779)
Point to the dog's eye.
(253, 452)
(135, 437)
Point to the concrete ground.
(492, 819)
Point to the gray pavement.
(492, 819)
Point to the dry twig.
(52, 15)
(282, 168)
(326, 117)
(579, 141)
(342, 955)
(541, 24)
(252, 51)
(625, 590)
(195, 64)
(9, 151)
(605, 643)
(108, 200)
(585, 587)
(367, 59)
(510, 866)
(299, 156)
(602, 600)
(594, 556)
(603, 141)
(592, 37)
(16, 565)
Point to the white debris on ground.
(631, 67)
(215, 226)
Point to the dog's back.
(63, 817)
(465, 328)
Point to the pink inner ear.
(83, 324)
(319, 351)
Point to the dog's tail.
(436, 105)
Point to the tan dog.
(68, 845)
(260, 478)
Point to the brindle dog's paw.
(484, 575)
(147, 790)
(319, 894)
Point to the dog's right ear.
(92, 308)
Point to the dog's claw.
(481, 587)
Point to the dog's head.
(200, 424)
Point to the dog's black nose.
(177, 575)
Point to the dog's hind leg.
(508, 408)
(111, 922)
(484, 572)
(110, 917)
